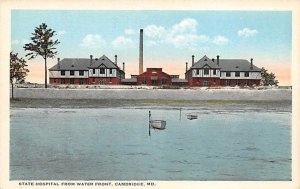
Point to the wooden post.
(149, 122)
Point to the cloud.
(150, 43)
(186, 25)
(154, 31)
(220, 40)
(121, 42)
(186, 40)
(246, 32)
(93, 41)
(129, 32)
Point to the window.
(236, 82)
(154, 82)
(206, 71)
(228, 74)
(110, 71)
(72, 72)
(62, 81)
(54, 80)
(214, 71)
(62, 72)
(72, 81)
(81, 72)
(164, 81)
(144, 81)
(81, 82)
(102, 82)
(227, 83)
(102, 71)
(246, 74)
(93, 80)
(197, 72)
(110, 79)
(237, 74)
(246, 82)
(205, 83)
(94, 71)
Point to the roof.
(177, 80)
(131, 80)
(84, 64)
(237, 65)
(72, 64)
(226, 64)
(103, 61)
(205, 61)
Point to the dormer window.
(237, 74)
(72, 72)
(62, 72)
(102, 71)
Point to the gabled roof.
(103, 61)
(72, 64)
(226, 64)
(84, 64)
(206, 61)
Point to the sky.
(170, 37)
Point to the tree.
(42, 44)
(268, 78)
(18, 70)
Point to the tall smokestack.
(251, 65)
(116, 60)
(193, 61)
(141, 52)
(218, 60)
(58, 63)
(186, 67)
(123, 66)
(91, 60)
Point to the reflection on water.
(113, 144)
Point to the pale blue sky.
(169, 36)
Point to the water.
(113, 144)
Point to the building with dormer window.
(84, 71)
(222, 72)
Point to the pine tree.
(18, 70)
(268, 78)
(42, 44)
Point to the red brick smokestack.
(141, 53)
(123, 66)
(186, 67)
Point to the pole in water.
(149, 122)
(180, 114)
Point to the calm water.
(113, 144)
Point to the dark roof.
(72, 64)
(237, 65)
(84, 64)
(205, 61)
(226, 64)
(103, 61)
(131, 80)
(177, 80)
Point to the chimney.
(193, 62)
(58, 63)
(186, 67)
(251, 65)
(91, 60)
(218, 61)
(123, 66)
(116, 60)
(141, 52)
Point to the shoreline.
(229, 105)
(157, 94)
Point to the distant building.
(222, 72)
(155, 77)
(84, 71)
